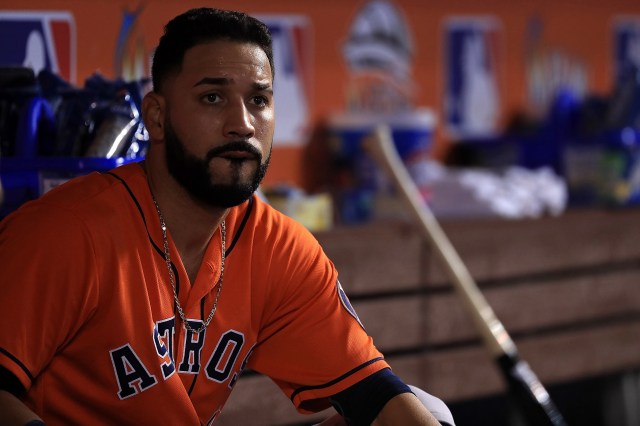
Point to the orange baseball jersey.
(89, 320)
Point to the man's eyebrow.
(263, 86)
(223, 81)
(217, 81)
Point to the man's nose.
(239, 122)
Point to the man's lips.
(236, 151)
(238, 155)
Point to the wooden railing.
(566, 288)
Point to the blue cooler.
(362, 185)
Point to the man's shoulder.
(93, 186)
(274, 230)
(272, 220)
(88, 198)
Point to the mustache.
(243, 146)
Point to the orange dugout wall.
(581, 29)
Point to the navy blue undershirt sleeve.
(361, 403)
(10, 383)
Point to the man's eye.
(211, 98)
(261, 100)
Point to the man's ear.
(153, 113)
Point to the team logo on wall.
(472, 97)
(379, 52)
(292, 60)
(39, 40)
(131, 61)
(626, 45)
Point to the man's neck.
(190, 223)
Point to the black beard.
(192, 173)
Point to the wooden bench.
(566, 288)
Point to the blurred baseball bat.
(532, 398)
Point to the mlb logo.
(626, 44)
(39, 40)
(472, 96)
(292, 60)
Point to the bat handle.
(531, 396)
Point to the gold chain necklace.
(172, 279)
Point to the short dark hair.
(202, 25)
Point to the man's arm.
(13, 412)
(383, 399)
(405, 409)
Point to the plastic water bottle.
(115, 132)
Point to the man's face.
(219, 122)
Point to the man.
(140, 295)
